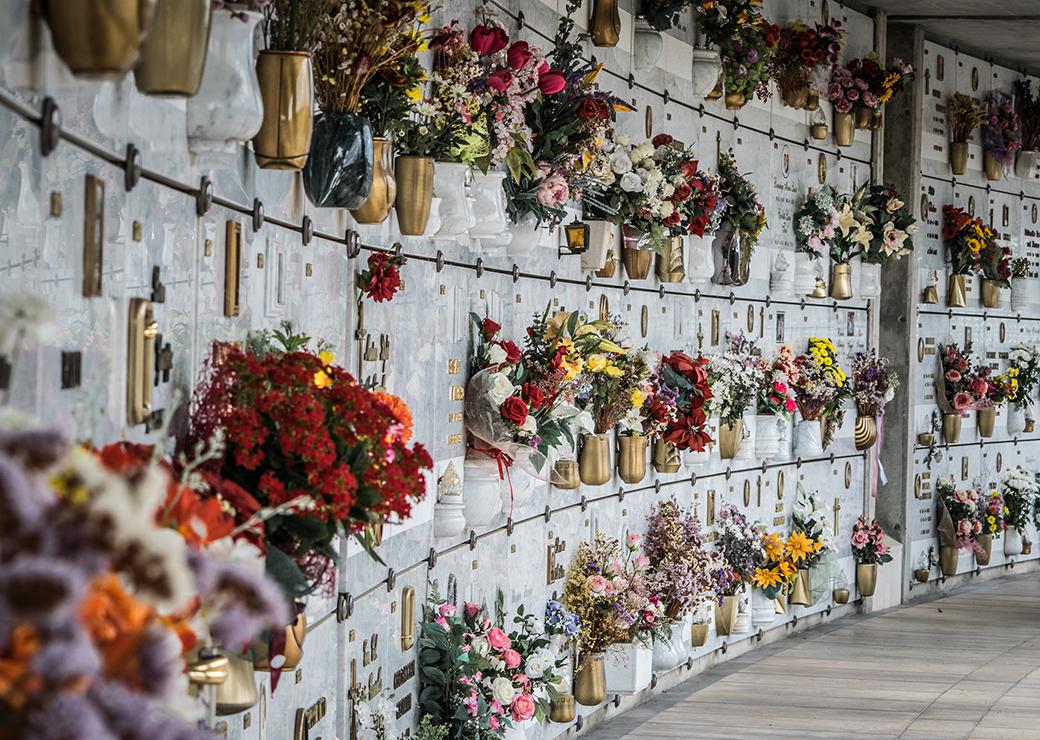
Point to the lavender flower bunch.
(873, 384)
(679, 565)
(739, 541)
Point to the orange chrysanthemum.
(17, 679)
(400, 411)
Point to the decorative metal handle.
(140, 361)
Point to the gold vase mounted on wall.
(670, 265)
(956, 294)
(384, 187)
(666, 457)
(594, 460)
(959, 157)
(699, 634)
(994, 169)
(295, 635)
(726, 615)
(865, 432)
(812, 100)
(735, 100)
(951, 428)
(174, 53)
(921, 575)
(717, 91)
(841, 281)
(948, 557)
(730, 436)
(819, 131)
(414, 177)
(985, 542)
(876, 120)
(238, 691)
(631, 462)
(590, 682)
(986, 419)
(562, 709)
(796, 97)
(287, 90)
(863, 117)
(801, 593)
(609, 265)
(990, 294)
(605, 23)
(840, 595)
(565, 475)
(844, 129)
(98, 39)
(637, 261)
(866, 578)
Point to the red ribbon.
(505, 462)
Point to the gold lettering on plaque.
(454, 366)
(964, 468)
(454, 439)
(458, 392)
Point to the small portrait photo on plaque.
(779, 326)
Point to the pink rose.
(597, 585)
(860, 539)
(511, 658)
(522, 679)
(961, 401)
(953, 376)
(446, 610)
(633, 540)
(616, 567)
(493, 722)
(496, 707)
(979, 387)
(790, 405)
(522, 708)
(780, 387)
(552, 191)
(472, 609)
(497, 639)
(641, 561)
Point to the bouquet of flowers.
(854, 232)
(476, 678)
(964, 114)
(744, 214)
(1003, 387)
(1020, 267)
(868, 543)
(812, 535)
(688, 377)
(736, 376)
(1000, 132)
(801, 51)
(559, 621)
(956, 392)
(866, 83)
(678, 573)
(721, 20)
(816, 222)
(820, 378)
(747, 56)
(305, 439)
(648, 408)
(1021, 490)
(965, 238)
(891, 224)
(663, 14)
(780, 562)
(740, 543)
(995, 263)
(993, 513)
(965, 509)
(873, 384)
(1025, 359)
(606, 589)
(725, 581)
(694, 194)
(388, 97)
(1027, 106)
(113, 573)
(776, 394)
(660, 410)
(382, 279)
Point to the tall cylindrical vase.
(958, 157)
(631, 458)
(98, 39)
(808, 438)
(987, 419)
(174, 53)
(1016, 419)
(956, 294)
(763, 607)
(605, 23)
(287, 89)
(844, 129)
(726, 615)
(594, 461)
(637, 261)
(670, 265)
(730, 436)
(984, 550)
(951, 428)
(841, 281)
(866, 578)
(414, 176)
(767, 436)
(990, 294)
(590, 682)
(383, 192)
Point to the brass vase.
(801, 593)
(994, 169)
(840, 595)
(844, 129)
(287, 89)
(384, 187)
(865, 432)
(726, 615)
(990, 294)
(866, 578)
(819, 131)
(590, 682)
(921, 575)
(699, 634)
(951, 428)
(812, 99)
(735, 100)
(562, 709)
(565, 475)
(295, 634)
(841, 281)
(985, 541)
(948, 557)
(796, 97)
(609, 265)
(666, 457)
(959, 157)
(730, 436)
(863, 117)
(1030, 426)
(637, 261)
(174, 53)
(876, 120)
(238, 692)
(670, 265)
(605, 23)
(631, 462)
(98, 39)
(414, 177)
(594, 461)
(956, 295)
(717, 91)
(986, 418)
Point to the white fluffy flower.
(500, 388)
(620, 163)
(502, 689)
(631, 183)
(530, 425)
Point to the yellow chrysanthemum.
(798, 546)
(321, 378)
(787, 569)
(637, 398)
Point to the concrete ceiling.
(1008, 31)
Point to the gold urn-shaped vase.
(98, 39)
(174, 53)
(295, 634)
(841, 281)
(414, 177)
(735, 100)
(796, 97)
(840, 595)
(670, 265)
(726, 615)
(801, 592)
(237, 692)
(699, 634)
(866, 578)
(844, 129)
(631, 458)
(590, 682)
(381, 197)
(730, 436)
(866, 431)
(594, 460)
(605, 23)
(956, 294)
(951, 428)
(948, 557)
(666, 457)
(985, 550)
(637, 261)
(958, 157)
(609, 265)
(987, 419)
(562, 709)
(863, 117)
(994, 169)
(990, 294)
(287, 89)
(565, 475)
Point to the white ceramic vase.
(227, 109)
(1025, 164)
(748, 436)
(433, 224)
(703, 457)
(603, 237)
(767, 437)
(526, 236)
(647, 45)
(628, 668)
(706, 67)
(1020, 295)
(1012, 542)
(482, 486)
(700, 266)
(517, 490)
(763, 608)
(869, 280)
(665, 656)
(489, 205)
(804, 274)
(1016, 419)
(808, 438)
(449, 184)
(449, 513)
(781, 277)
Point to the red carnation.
(514, 410)
(382, 278)
(688, 167)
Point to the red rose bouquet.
(310, 454)
(800, 52)
(382, 279)
(688, 378)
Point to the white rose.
(631, 183)
(547, 656)
(502, 689)
(621, 139)
(496, 663)
(530, 425)
(620, 163)
(535, 666)
(479, 645)
(500, 389)
(496, 355)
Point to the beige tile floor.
(964, 666)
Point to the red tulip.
(500, 80)
(551, 82)
(488, 39)
(519, 54)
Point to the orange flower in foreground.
(400, 411)
(17, 680)
(198, 520)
